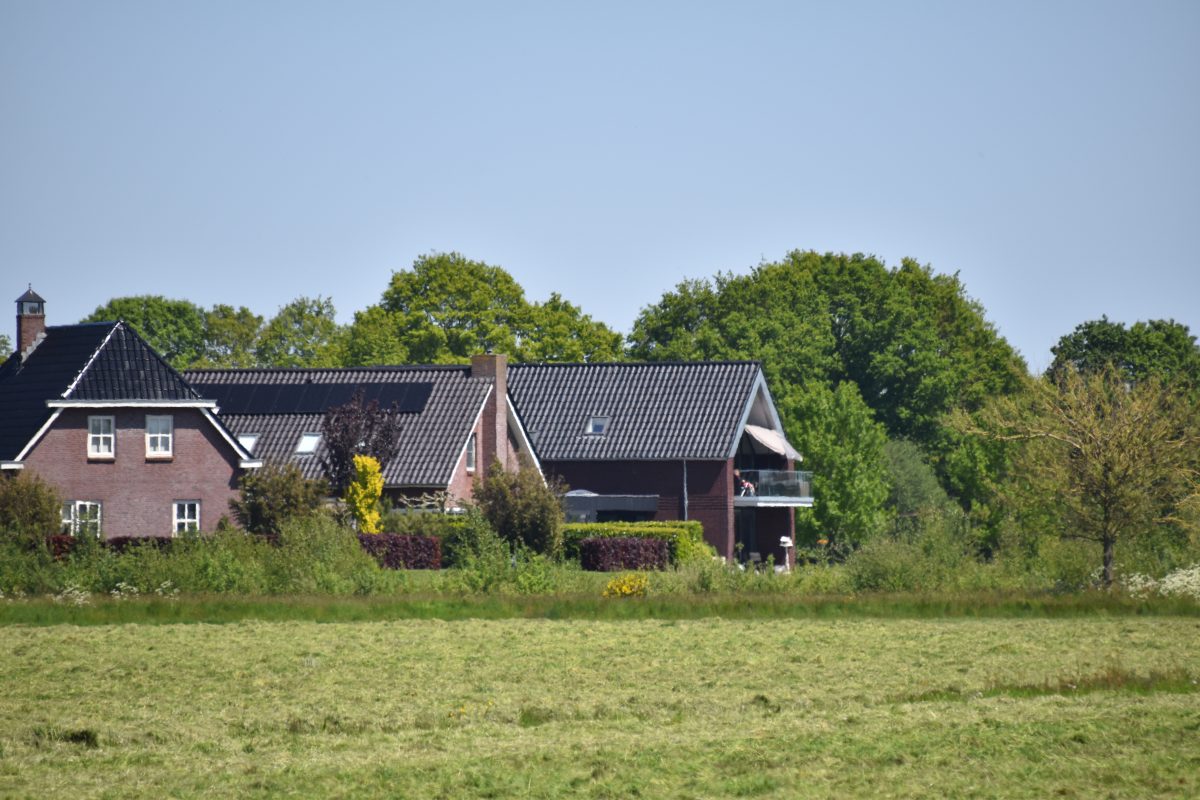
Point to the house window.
(308, 443)
(81, 517)
(472, 456)
(597, 426)
(248, 440)
(159, 432)
(187, 516)
(102, 440)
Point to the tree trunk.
(1108, 562)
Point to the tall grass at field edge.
(218, 609)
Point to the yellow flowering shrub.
(363, 493)
(630, 584)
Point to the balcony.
(775, 488)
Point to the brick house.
(455, 419)
(96, 412)
(668, 441)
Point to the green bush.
(317, 556)
(685, 537)
(30, 509)
(272, 495)
(466, 538)
(522, 508)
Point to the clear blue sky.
(251, 152)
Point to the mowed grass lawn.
(1103, 707)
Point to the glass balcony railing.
(774, 483)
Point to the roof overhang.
(132, 404)
(610, 502)
(772, 502)
(12, 465)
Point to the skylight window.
(597, 426)
(248, 440)
(308, 443)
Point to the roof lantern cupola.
(31, 320)
(31, 303)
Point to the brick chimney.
(31, 320)
(494, 445)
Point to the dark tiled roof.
(30, 296)
(95, 361)
(431, 441)
(127, 368)
(655, 411)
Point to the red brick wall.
(462, 481)
(137, 493)
(709, 489)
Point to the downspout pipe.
(685, 494)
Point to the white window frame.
(314, 438)
(77, 513)
(97, 437)
(598, 421)
(248, 441)
(472, 452)
(187, 521)
(157, 438)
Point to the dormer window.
(308, 444)
(597, 426)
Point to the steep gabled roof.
(655, 411)
(100, 361)
(439, 408)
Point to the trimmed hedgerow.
(613, 554)
(685, 538)
(396, 551)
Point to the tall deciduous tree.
(556, 330)
(468, 306)
(230, 337)
(448, 308)
(1106, 458)
(1159, 347)
(844, 447)
(357, 428)
(912, 341)
(303, 334)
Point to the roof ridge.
(91, 359)
(674, 363)
(381, 368)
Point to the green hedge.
(685, 537)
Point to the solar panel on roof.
(315, 398)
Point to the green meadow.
(1104, 705)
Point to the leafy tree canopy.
(230, 337)
(912, 341)
(448, 308)
(1164, 348)
(303, 334)
(844, 446)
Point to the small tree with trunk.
(357, 429)
(1106, 458)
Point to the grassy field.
(1100, 707)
